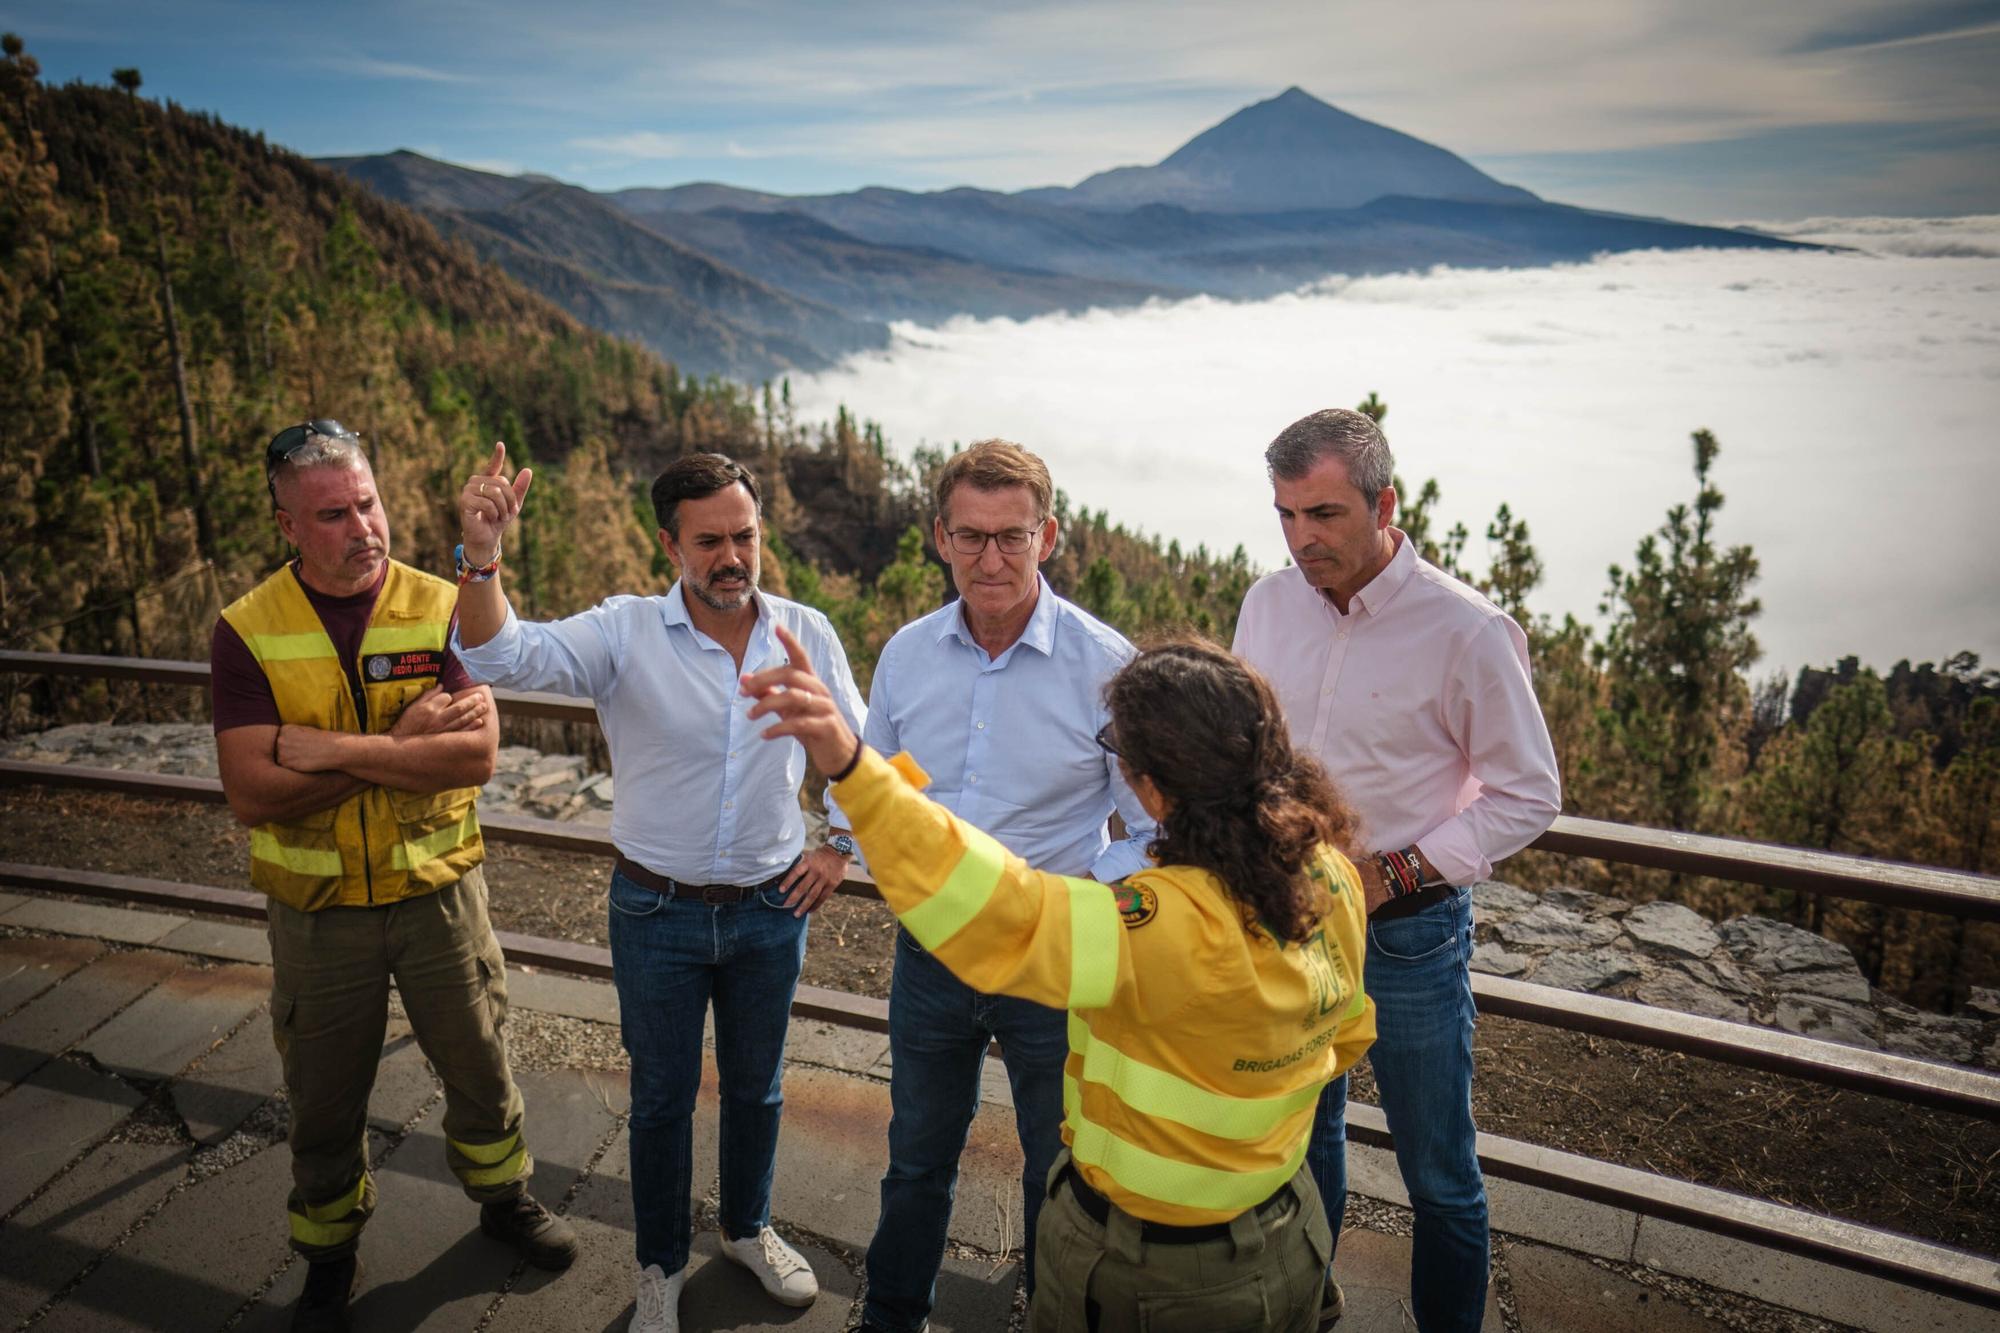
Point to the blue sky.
(1697, 110)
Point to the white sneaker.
(783, 1270)
(659, 1301)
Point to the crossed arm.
(277, 774)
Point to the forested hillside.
(174, 290)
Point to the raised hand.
(803, 706)
(488, 503)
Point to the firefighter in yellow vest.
(353, 746)
(1210, 1000)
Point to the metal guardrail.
(1890, 883)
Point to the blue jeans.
(668, 959)
(1417, 975)
(939, 1028)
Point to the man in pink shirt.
(1414, 691)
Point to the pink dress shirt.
(1419, 703)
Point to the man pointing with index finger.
(710, 893)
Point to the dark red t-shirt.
(238, 690)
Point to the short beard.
(719, 602)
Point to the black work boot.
(322, 1306)
(544, 1240)
(1332, 1305)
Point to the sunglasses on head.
(294, 438)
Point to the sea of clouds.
(1856, 394)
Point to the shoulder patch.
(1137, 904)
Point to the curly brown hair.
(1247, 806)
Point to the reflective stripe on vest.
(1148, 1174)
(1094, 926)
(289, 647)
(1156, 1093)
(410, 855)
(963, 895)
(318, 863)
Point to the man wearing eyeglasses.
(1000, 697)
(354, 746)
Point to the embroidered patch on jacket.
(403, 666)
(1137, 904)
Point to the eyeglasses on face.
(1011, 541)
(1106, 741)
(294, 438)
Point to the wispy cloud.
(637, 146)
(367, 67)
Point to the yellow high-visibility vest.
(1198, 1045)
(382, 844)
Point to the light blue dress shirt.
(699, 794)
(1010, 742)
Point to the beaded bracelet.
(467, 574)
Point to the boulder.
(1586, 970)
(1793, 959)
(1717, 973)
(1669, 928)
(1551, 927)
(1678, 991)
(1926, 1036)
(1827, 1020)
(1585, 902)
(1493, 958)
(1497, 900)
(1982, 1003)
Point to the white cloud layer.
(1854, 395)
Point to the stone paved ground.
(145, 1172)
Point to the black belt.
(1159, 1233)
(1412, 903)
(712, 895)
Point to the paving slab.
(31, 964)
(196, 1263)
(1801, 1284)
(974, 1295)
(10, 901)
(404, 1083)
(179, 1020)
(721, 1297)
(230, 1082)
(1373, 1270)
(219, 939)
(554, 993)
(596, 1293)
(1556, 1292)
(850, 1050)
(51, 1118)
(835, 1146)
(54, 1238)
(121, 924)
(57, 1018)
(428, 1264)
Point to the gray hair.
(318, 451)
(1335, 432)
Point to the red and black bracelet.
(1402, 872)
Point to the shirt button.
(980, 725)
(972, 779)
(729, 805)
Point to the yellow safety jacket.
(1198, 1046)
(382, 844)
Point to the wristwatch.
(842, 843)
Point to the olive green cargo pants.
(1266, 1276)
(329, 1013)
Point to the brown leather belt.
(1159, 1233)
(711, 895)
(1411, 904)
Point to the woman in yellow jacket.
(1210, 999)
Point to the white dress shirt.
(1010, 742)
(1419, 703)
(700, 795)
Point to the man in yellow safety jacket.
(354, 746)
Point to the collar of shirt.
(763, 649)
(1374, 596)
(1040, 633)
